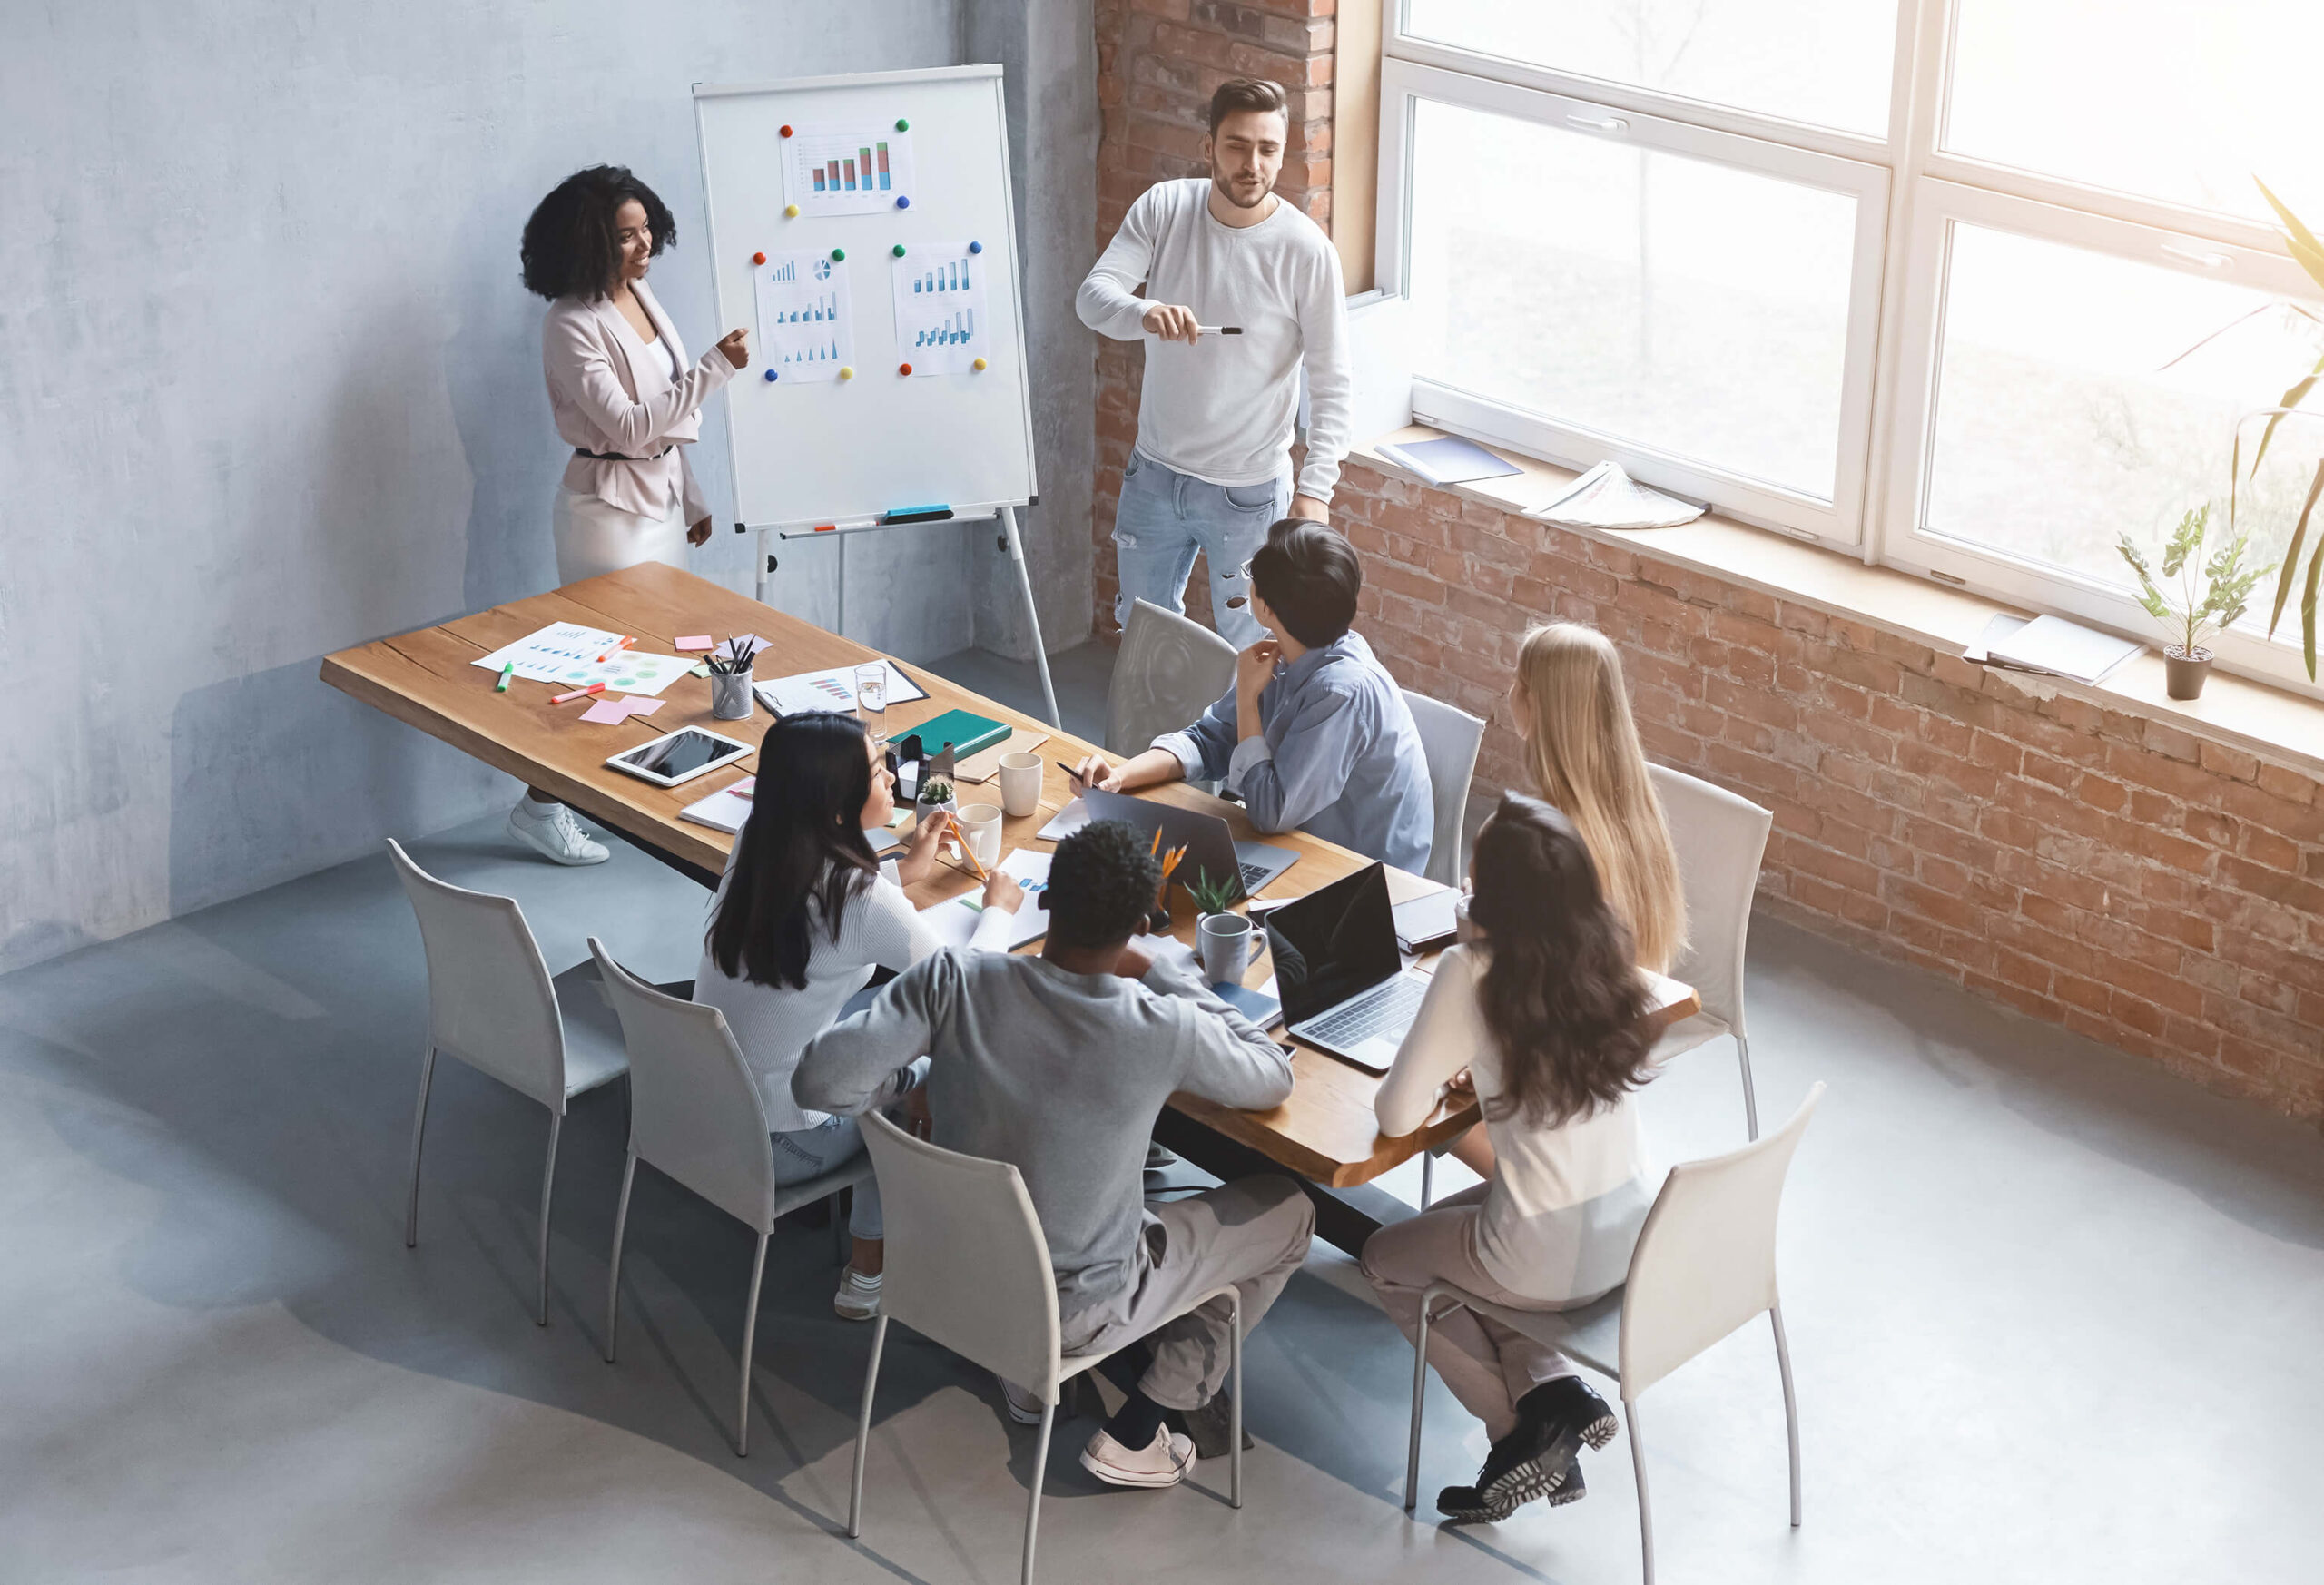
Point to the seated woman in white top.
(802, 917)
(1544, 1007)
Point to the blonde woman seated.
(1544, 1009)
(1574, 716)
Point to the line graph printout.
(941, 326)
(806, 316)
(847, 169)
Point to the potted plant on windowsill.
(2210, 595)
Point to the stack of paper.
(954, 922)
(1607, 498)
(724, 809)
(2053, 647)
(1449, 461)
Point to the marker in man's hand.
(1220, 330)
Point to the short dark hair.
(1102, 885)
(1238, 94)
(1309, 576)
(570, 248)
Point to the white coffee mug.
(981, 828)
(1020, 784)
(1222, 942)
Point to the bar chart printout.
(806, 317)
(941, 326)
(836, 169)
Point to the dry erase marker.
(507, 670)
(1220, 330)
(579, 694)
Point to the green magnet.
(903, 125)
(839, 253)
(900, 249)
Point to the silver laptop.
(1344, 986)
(1210, 844)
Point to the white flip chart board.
(871, 164)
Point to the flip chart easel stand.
(1011, 541)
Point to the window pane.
(1695, 308)
(1828, 61)
(2058, 429)
(2164, 98)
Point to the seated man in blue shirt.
(1315, 735)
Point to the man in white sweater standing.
(1212, 468)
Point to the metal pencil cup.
(730, 695)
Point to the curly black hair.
(570, 249)
(1102, 881)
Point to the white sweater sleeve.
(1331, 385)
(1443, 1040)
(898, 936)
(1108, 301)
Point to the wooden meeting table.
(1325, 1133)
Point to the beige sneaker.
(858, 1298)
(1163, 1463)
(1024, 1408)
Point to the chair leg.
(1790, 1406)
(1427, 1177)
(1420, 1391)
(841, 1208)
(1040, 1469)
(1645, 1514)
(613, 1266)
(749, 1336)
(1235, 1409)
(1750, 1092)
(418, 1127)
(548, 1182)
(863, 1430)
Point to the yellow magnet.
(846, 372)
(791, 212)
(978, 366)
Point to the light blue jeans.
(1165, 516)
(813, 1152)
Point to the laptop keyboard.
(1388, 1008)
(1255, 876)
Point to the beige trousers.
(1488, 1366)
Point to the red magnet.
(903, 369)
(758, 258)
(787, 132)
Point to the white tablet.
(680, 756)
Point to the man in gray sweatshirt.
(1059, 1065)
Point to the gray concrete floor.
(2053, 1314)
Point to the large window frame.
(1910, 194)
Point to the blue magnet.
(902, 203)
(770, 377)
(976, 247)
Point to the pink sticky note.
(700, 641)
(607, 712)
(642, 707)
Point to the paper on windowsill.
(1607, 498)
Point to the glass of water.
(872, 700)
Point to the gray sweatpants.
(1252, 1234)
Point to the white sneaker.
(858, 1298)
(1165, 1464)
(1024, 1408)
(551, 831)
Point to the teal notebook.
(967, 733)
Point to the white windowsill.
(2233, 710)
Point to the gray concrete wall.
(269, 386)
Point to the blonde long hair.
(1583, 749)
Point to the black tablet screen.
(676, 756)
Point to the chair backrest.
(1706, 1259)
(967, 1266)
(1448, 738)
(1169, 671)
(694, 1111)
(1720, 838)
(489, 1000)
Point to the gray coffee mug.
(1223, 943)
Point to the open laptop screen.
(1334, 943)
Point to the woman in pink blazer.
(625, 399)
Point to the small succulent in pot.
(937, 794)
(2212, 594)
(1214, 896)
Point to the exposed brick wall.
(2157, 892)
(1157, 62)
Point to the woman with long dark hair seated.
(1543, 1006)
(805, 914)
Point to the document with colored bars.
(941, 326)
(833, 169)
(806, 317)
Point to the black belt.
(617, 457)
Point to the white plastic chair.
(1448, 740)
(1720, 838)
(492, 1004)
(1169, 671)
(1705, 1263)
(694, 1113)
(967, 1268)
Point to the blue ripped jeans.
(1165, 516)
